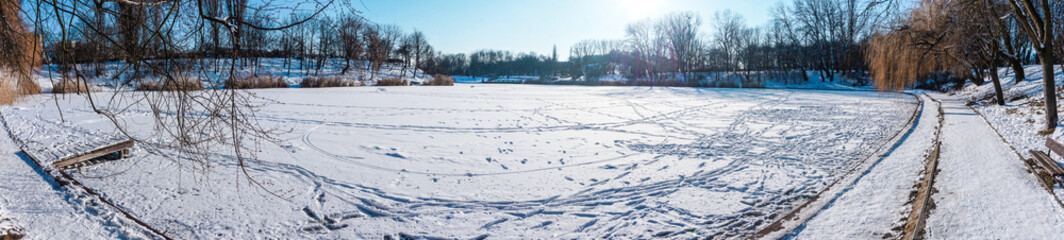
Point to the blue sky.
(463, 26)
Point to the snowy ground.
(496, 160)
(1023, 116)
(984, 190)
(871, 207)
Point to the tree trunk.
(1017, 68)
(979, 78)
(997, 86)
(347, 65)
(1049, 89)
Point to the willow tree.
(20, 49)
(916, 48)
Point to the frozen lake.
(498, 160)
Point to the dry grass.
(441, 80)
(26, 86)
(70, 86)
(20, 49)
(7, 92)
(256, 81)
(179, 83)
(393, 82)
(325, 82)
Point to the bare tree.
(419, 48)
(406, 52)
(1039, 28)
(196, 121)
(640, 36)
(682, 39)
(351, 28)
(727, 37)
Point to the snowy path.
(871, 207)
(45, 210)
(984, 191)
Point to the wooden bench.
(119, 150)
(1050, 167)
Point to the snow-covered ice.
(40, 208)
(498, 160)
(871, 207)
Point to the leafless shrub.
(256, 81)
(440, 80)
(170, 84)
(392, 82)
(70, 86)
(325, 82)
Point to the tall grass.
(70, 86)
(20, 49)
(256, 81)
(392, 82)
(327, 81)
(179, 82)
(441, 80)
(7, 88)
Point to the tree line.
(970, 40)
(110, 32)
(823, 37)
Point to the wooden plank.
(99, 152)
(1057, 148)
(1046, 163)
(917, 220)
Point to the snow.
(34, 205)
(984, 190)
(473, 160)
(871, 207)
(1021, 119)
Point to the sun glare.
(638, 9)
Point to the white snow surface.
(871, 207)
(510, 161)
(31, 203)
(984, 190)
(1022, 117)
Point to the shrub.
(178, 83)
(441, 80)
(70, 86)
(324, 82)
(255, 81)
(392, 82)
